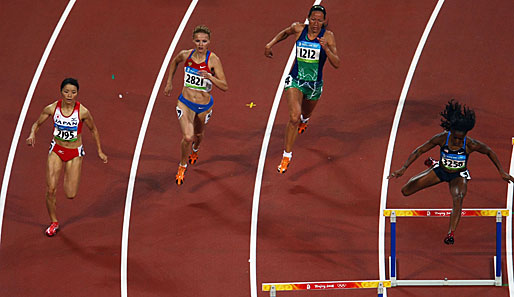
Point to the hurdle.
(394, 213)
(321, 286)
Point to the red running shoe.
(302, 127)
(282, 168)
(430, 162)
(52, 229)
(193, 157)
(181, 174)
(449, 239)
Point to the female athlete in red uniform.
(454, 154)
(202, 69)
(66, 147)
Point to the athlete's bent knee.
(406, 192)
(70, 194)
(51, 191)
(294, 119)
(188, 138)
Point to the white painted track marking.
(139, 146)
(25, 108)
(392, 139)
(260, 169)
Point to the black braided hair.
(457, 117)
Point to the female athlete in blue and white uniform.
(202, 69)
(304, 84)
(66, 146)
(454, 155)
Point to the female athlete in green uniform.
(304, 84)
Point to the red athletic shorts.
(66, 154)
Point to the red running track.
(319, 221)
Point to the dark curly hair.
(457, 117)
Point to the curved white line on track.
(139, 146)
(508, 231)
(25, 108)
(260, 169)
(392, 139)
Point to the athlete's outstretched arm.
(420, 150)
(45, 114)
(328, 43)
(181, 57)
(295, 28)
(481, 147)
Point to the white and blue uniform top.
(310, 58)
(454, 160)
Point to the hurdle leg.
(498, 258)
(273, 291)
(392, 258)
(380, 289)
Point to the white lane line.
(392, 139)
(508, 231)
(25, 108)
(260, 169)
(139, 146)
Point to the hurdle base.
(497, 281)
(447, 282)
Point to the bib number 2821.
(194, 80)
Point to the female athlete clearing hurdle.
(454, 155)
(304, 84)
(66, 146)
(202, 69)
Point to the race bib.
(307, 56)
(308, 52)
(454, 162)
(65, 134)
(193, 80)
(288, 82)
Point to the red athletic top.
(192, 78)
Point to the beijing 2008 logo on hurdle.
(308, 286)
(341, 285)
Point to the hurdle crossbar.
(329, 285)
(487, 212)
